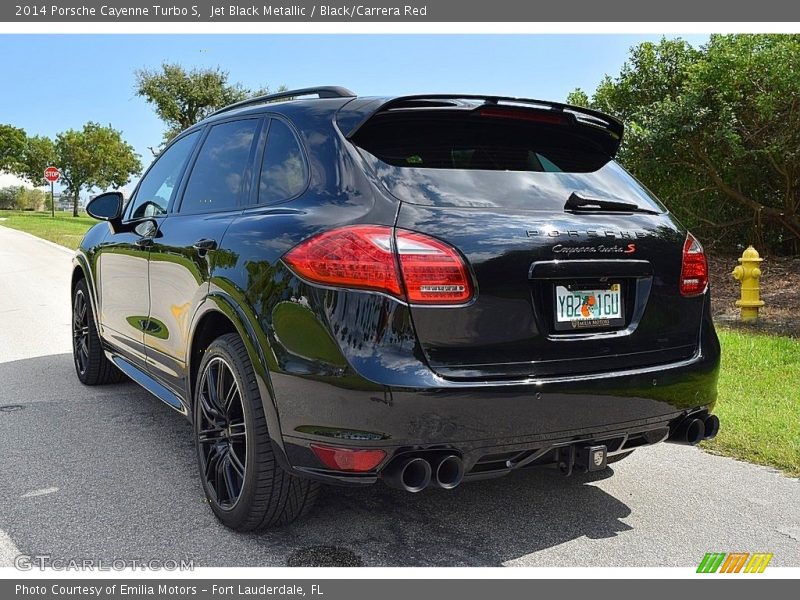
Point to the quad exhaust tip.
(711, 424)
(694, 429)
(448, 472)
(410, 474)
(690, 431)
(415, 473)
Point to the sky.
(50, 83)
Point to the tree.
(182, 98)
(30, 199)
(39, 152)
(94, 157)
(17, 197)
(715, 132)
(578, 97)
(12, 143)
(8, 197)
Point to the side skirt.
(148, 383)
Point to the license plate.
(588, 308)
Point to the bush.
(8, 198)
(22, 198)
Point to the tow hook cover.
(592, 458)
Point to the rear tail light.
(433, 272)
(694, 269)
(522, 114)
(412, 266)
(348, 459)
(354, 257)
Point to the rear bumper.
(364, 383)
(488, 423)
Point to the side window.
(155, 189)
(283, 170)
(215, 183)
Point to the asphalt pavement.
(109, 473)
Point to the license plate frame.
(610, 320)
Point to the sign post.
(52, 174)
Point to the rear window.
(480, 143)
(442, 159)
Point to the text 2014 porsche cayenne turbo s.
(426, 290)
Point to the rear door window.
(218, 176)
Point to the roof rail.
(324, 91)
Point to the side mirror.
(106, 207)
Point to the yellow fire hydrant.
(748, 273)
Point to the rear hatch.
(576, 266)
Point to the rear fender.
(81, 264)
(255, 342)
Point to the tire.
(91, 364)
(245, 486)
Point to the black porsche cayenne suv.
(423, 289)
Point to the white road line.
(8, 550)
(41, 492)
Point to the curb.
(42, 240)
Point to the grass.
(759, 400)
(759, 385)
(62, 229)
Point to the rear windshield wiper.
(578, 203)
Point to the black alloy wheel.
(246, 487)
(221, 433)
(91, 364)
(80, 332)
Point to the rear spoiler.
(357, 112)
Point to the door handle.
(145, 242)
(204, 245)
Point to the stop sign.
(51, 174)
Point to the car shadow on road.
(485, 523)
(123, 448)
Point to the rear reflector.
(694, 269)
(367, 257)
(347, 459)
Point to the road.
(109, 473)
